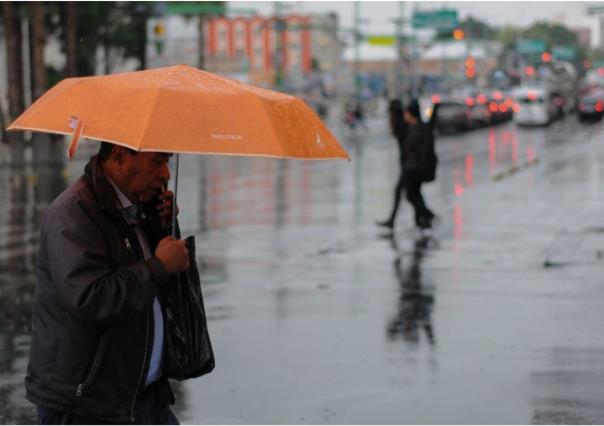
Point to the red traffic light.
(546, 57)
(458, 34)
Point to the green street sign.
(564, 53)
(442, 19)
(195, 8)
(530, 46)
(381, 40)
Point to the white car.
(533, 106)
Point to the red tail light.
(435, 99)
(503, 108)
(493, 107)
(469, 101)
(599, 106)
(482, 99)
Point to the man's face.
(145, 175)
(410, 119)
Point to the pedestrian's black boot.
(386, 223)
(424, 222)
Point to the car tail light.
(497, 95)
(435, 99)
(503, 108)
(482, 99)
(599, 106)
(493, 107)
(469, 101)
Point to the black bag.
(430, 160)
(189, 352)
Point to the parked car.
(591, 105)
(453, 115)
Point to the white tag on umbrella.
(78, 126)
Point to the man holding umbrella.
(97, 353)
(98, 329)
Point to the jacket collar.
(104, 192)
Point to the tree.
(46, 148)
(70, 25)
(508, 36)
(38, 41)
(476, 29)
(12, 29)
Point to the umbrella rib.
(263, 105)
(150, 111)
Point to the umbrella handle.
(174, 200)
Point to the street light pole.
(279, 61)
(357, 53)
(399, 50)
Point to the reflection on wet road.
(412, 321)
(317, 318)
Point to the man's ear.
(118, 155)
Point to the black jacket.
(92, 318)
(415, 147)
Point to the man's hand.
(173, 254)
(164, 209)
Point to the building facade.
(297, 49)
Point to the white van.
(533, 106)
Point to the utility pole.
(414, 46)
(279, 57)
(399, 50)
(357, 53)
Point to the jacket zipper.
(139, 251)
(93, 369)
(140, 379)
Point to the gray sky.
(378, 14)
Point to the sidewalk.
(499, 321)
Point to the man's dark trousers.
(152, 408)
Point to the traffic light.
(159, 30)
(470, 64)
(546, 57)
(458, 34)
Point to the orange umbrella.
(180, 109)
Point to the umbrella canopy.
(180, 109)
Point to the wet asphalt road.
(318, 316)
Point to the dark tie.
(133, 214)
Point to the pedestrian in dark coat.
(97, 343)
(416, 156)
(398, 129)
